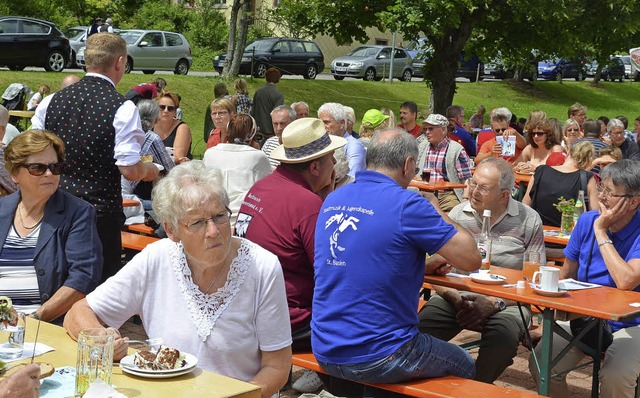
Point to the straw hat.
(305, 139)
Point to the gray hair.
(503, 112)
(293, 106)
(351, 114)
(336, 111)
(4, 116)
(149, 111)
(624, 173)
(613, 123)
(292, 114)
(188, 186)
(389, 151)
(507, 178)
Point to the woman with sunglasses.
(175, 133)
(50, 254)
(208, 293)
(241, 164)
(222, 109)
(541, 142)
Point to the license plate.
(341, 69)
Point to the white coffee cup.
(549, 278)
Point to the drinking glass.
(530, 265)
(12, 338)
(95, 358)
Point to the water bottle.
(484, 241)
(579, 207)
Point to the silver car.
(373, 63)
(152, 50)
(77, 39)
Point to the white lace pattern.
(206, 309)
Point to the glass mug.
(530, 265)
(95, 358)
(12, 338)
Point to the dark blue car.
(558, 69)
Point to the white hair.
(4, 116)
(336, 111)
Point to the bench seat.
(136, 241)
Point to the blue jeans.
(422, 357)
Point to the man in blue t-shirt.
(371, 241)
(604, 248)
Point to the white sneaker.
(308, 382)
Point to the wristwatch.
(500, 304)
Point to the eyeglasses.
(38, 169)
(482, 189)
(170, 108)
(573, 129)
(197, 225)
(500, 130)
(616, 133)
(219, 113)
(537, 133)
(606, 192)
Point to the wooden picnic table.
(559, 239)
(195, 384)
(436, 186)
(602, 303)
(26, 115)
(130, 203)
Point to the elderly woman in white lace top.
(210, 294)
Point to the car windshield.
(626, 60)
(364, 52)
(74, 33)
(130, 36)
(416, 44)
(260, 45)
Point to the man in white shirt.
(281, 116)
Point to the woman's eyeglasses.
(197, 225)
(219, 113)
(38, 169)
(537, 133)
(170, 108)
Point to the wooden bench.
(136, 241)
(448, 386)
(141, 229)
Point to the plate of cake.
(164, 363)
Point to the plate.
(526, 173)
(541, 292)
(159, 166)
(127, 366)
(488, 279)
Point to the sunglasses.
(573, 129)
(537, 133)
(500, 130)
(38, 169)
(170, 108)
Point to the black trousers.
(109, 227)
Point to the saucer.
(488, 279)
(547, 293)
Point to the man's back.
(371, 239)
(264, 100)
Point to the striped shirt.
(18, 278)
(270, 144)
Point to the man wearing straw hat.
(279, 213)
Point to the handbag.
(150, 220)
(590, 339)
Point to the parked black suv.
(32, 42)
(290, 56)
(614, 70)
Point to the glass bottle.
(484, 241)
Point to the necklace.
(214, 280)
(22, 222)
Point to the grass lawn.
(609, 99)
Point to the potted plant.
(566, 207)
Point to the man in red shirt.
(408, 115)
(279, 213)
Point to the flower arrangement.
(566, 207)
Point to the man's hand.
(497, 149)
(23, 383)
(435, 263)
(120, 345)
(475, 311)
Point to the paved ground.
(517, 376)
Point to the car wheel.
(311, 72)
(472, 79)
(580, 76)
(55, 62)
(129, 65)
(369, 75)
(260, 70)
(16, 68)
(621, 78)
(338, 77)
(559, 76)
(406, 75)
(148, 72)
(182, 67)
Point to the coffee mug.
(549, 278)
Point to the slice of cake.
(145, 360)
(167, 358)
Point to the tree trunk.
(241, 40)
(233, 23)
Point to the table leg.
(547, 345)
